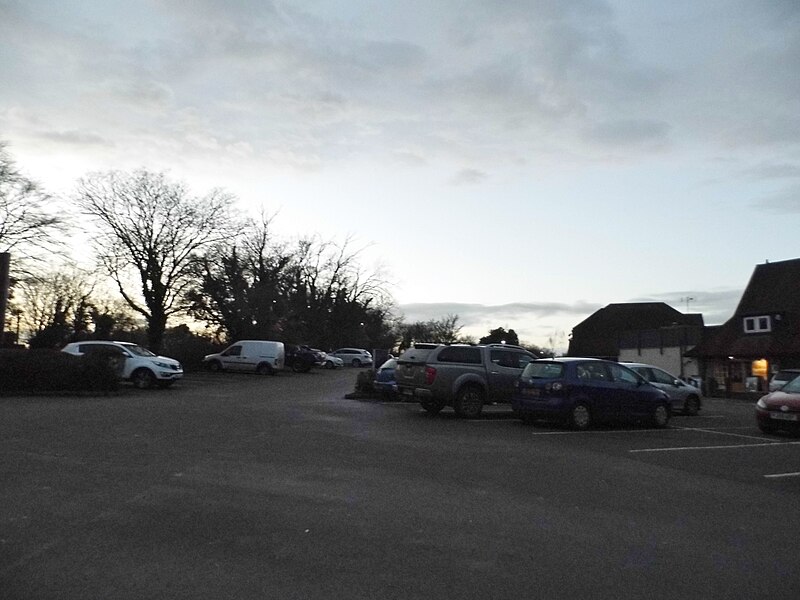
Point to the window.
(543, 370)
(592, 372)
(621, 374)
(662, 377)
(759, 324)
(233, 351)
(460, 354)
(505, 358)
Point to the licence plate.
(783, 416)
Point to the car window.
(623, 374)
(660, 376)
(460, 354)
(505, 358)
(101, 348)
(543, 370)
(592, 372)
(233, 351)
(138, 350)
(644, 372)
(793, 387)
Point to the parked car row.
(145, 369)
(578, 391)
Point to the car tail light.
(430, 375)
(554, 386)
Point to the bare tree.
(152, 229)
(28, 229)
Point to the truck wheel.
(215, 366)
(469, 401)
(432, 406)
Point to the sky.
(520, 163)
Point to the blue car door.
(597, 387)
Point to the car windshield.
(389, 364)
(138, 350)
(543, 370)
(793, 387)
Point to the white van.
(255, 356)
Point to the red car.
(780, 409)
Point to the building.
(761, 337)
(649, 332)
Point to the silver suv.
(357, 357)
(684, 397)
(136, 364)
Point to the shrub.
(364, 381)
(45, 371)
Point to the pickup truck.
(462, 376)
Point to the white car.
(357, 357)
(136, 364)
(332, 362)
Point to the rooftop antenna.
(687, 299)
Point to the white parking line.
(776, 475)
(750, 437)
(713, 447)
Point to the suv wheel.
(469, 401)
(143, 379)
(356, 363)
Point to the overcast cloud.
(641, 147)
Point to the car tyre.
(265, 369)
(692, 406)
(580, 417)
(661, 416)
(469, 402)
(215, 366)
(143, 379)
(766, 428)
(356, 363)
(329, 364)
(432, 406)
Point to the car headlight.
(761, 403)
(162, 365)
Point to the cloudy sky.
(518, 163)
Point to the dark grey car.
(684, 397)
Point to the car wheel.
(328, 364)
(766, 428)
(432, 406)
(469, 402)
(692, 406)
(580, 417)
(215, 366)
(661, 416)
(356, 363)
(265, 369)
(143, 379)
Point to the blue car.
(384, 378)
(584, 391)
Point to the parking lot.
(239, 486)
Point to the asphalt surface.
(239, 486)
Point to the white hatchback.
(136, 364)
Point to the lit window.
(757, 324)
